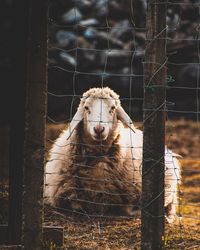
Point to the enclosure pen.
(103, 142)
(77, 39)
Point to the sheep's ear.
(124, 118)
(78, 117)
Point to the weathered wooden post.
(152, 216)
(34, 148)
(17, 128)
(27, 131)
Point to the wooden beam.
(51, 236)
(3, 234)
(36, 106)
(17, 119)
(10, 247)
(153, 171)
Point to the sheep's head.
(100, 110)
(100, 117)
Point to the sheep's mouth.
(99, 137)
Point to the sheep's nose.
(99, 129)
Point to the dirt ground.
(87, 233)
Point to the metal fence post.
(152, 216)
(34, 150)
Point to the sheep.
(95, 164)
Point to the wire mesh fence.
(99, 174)
(96, 202)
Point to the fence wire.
(85, 52)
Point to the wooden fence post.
(17, 121)
(152, 216)
(34, 150)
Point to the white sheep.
(95, 164)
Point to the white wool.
(130, 142)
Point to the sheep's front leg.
(66, 197)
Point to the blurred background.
(102, 43)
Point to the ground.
(122, 233)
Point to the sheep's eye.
(112, 109)
(86, 108)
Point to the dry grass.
(124, 234)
